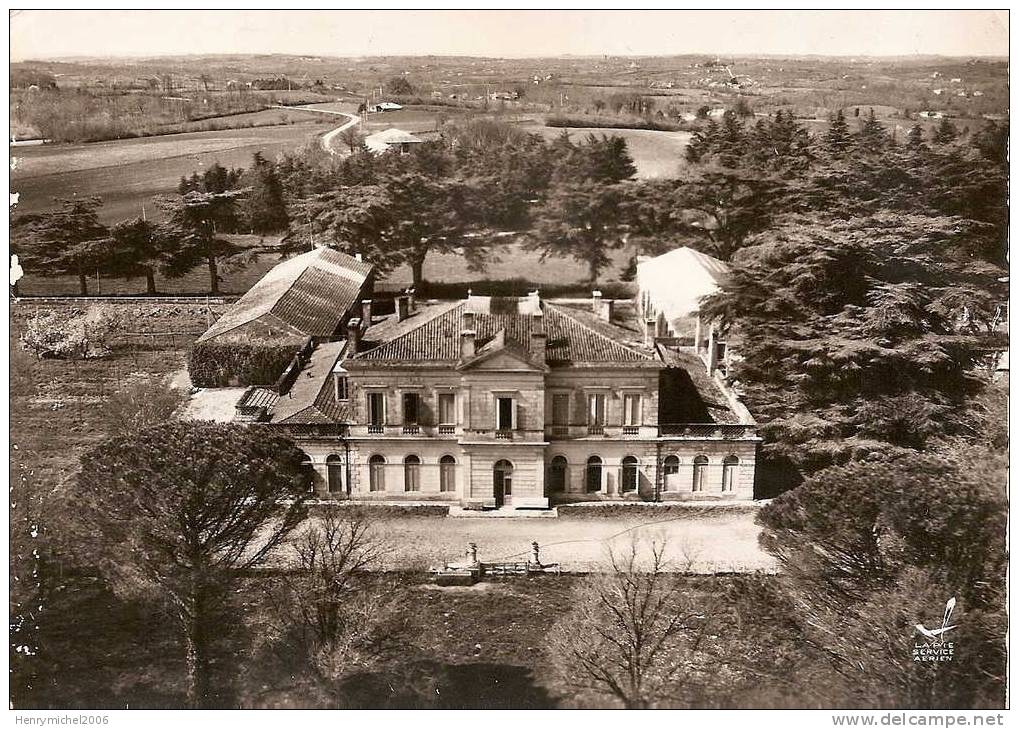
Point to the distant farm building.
(391, 140)
(383, 106)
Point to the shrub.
(72, 333)
(608, 122)
(235, 364)
(141, 403)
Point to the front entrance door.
(502, 482)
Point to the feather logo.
(937, 635)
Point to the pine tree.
(914, 140)
(872, 137)
(70, 241)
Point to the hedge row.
(232, 364)
(609, 122)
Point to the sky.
(39, 34)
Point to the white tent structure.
(669, 292)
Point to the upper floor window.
(560, 408)
(504, 413)
(341, 386)
(411, 407)
(596, 409)
(447, 408)
(631, 409)
(376, 408)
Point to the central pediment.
(502, 354)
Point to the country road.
(327, 138)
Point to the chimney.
(606, 310)
(410, 300)
(539, 346)
(402, 307)
(467, 343)
(366, 312)
(468, 320)
(357, 257)
(596, 302)
(353, 335)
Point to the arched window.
(630, 473)
(411, 473)
(557, 475)
(700, 468)
(729, 473)
(447, 473)
(670, 468)
(593, 475)
(377, 473)
(334, 468)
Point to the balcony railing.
(595, 429)
(504, 435)
(376, 429)
(727, 431)
(411, 429)
(631, 430)
(560, 431)
(447, 430)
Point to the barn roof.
(305, 296)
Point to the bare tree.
(633, 634)
(331, 615)
(352, 137)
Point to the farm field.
(127, 173)
(655, 154)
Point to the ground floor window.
(700, 468)
(729, 473)
(411, 473)
(377, 473)
(447, 473)
(630, 473)
(334, 469)
(557, 475)
(594, 473)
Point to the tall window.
(557, 475)
(341, 387)
(411, 408)
(447, 408)
(596, 409)
(631, 409)
(377, 473)
(560, 408)
(630, 473)
(411, 473)
(700, 468)
(593, 475)
(729, 473)
(670, 467)
(334, 467)
(447, 473)
(376, 408)
(504, 413)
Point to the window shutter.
(517, 415)
(579, 408)
(425, 410)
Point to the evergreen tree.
(914, 140)
(872, 137)
(190, 235)
(265, 208)
(837, 141)
(946, 133)
(70, 241)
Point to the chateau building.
(520, 402)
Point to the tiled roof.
(307, 295)
(570, 342)
(311, 399)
